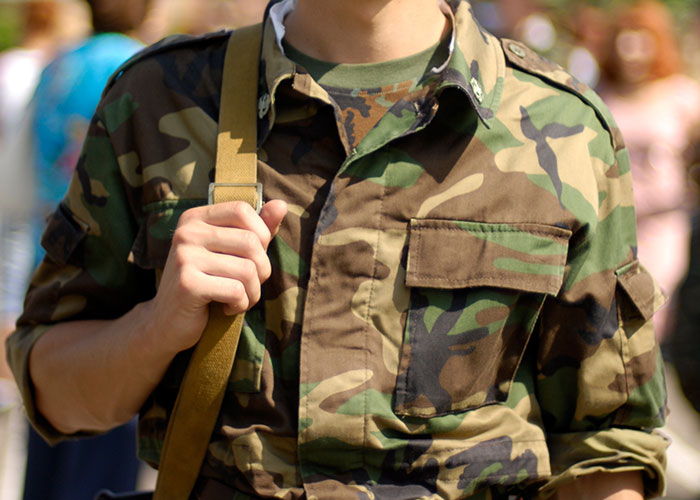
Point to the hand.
(218, 254)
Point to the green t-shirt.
(365, 92)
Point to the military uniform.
(455, 310)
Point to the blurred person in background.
(657, 107)
(683, 344)
(588, 25)
(20, 68)
(65, 99)
(571, 37)
(682, 348)
(196, 17)
(212, 15)
(69, 90)
(245, 12)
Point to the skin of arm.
(608, 486)
(95, 375)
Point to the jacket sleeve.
(600, 377)
(86, 273)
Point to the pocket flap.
(63, 233)
(451, 254)
(641, 288)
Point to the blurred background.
(641, 56)
(164, 17)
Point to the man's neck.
(364, 31)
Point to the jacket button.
(516, 49)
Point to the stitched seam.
(367, 323)
(426, 277)
(488, 230)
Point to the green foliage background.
(10, 26)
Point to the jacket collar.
(475, 63)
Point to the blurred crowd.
(642, 59)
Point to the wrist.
(148, 342)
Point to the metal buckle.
(257, 185)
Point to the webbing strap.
(204, 384)
(236, 154)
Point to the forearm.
(604, 486)
(95, 375)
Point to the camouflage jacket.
(456, 309)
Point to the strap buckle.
(249, 192)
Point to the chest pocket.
(476, 292)
(150, 251)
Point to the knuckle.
(188, 216)
(237, 209)
(265, 269)
(249, 241)
(179, 237)
(185, 282)
(179, 254)
(237, 290)
(239, 299)
(186, 234)
(249, 271)
(241, 207)
(184, 219)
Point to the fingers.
(231, 279)
(211, 241)
(234, 229)
(273, 213)
(233, 214)
(221, 251)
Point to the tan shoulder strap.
(202, 391)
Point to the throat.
(365, 31)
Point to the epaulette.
(526, 59)
(522, 56)
(168, 43)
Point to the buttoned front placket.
(357, 247)
(336, 356)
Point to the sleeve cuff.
(19, 346)
(574, 455)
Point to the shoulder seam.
(166, 44)
(518, 54)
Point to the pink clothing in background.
(656, 120)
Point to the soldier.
(442, 293)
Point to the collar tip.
(486, 120)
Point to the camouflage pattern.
(456, 309)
